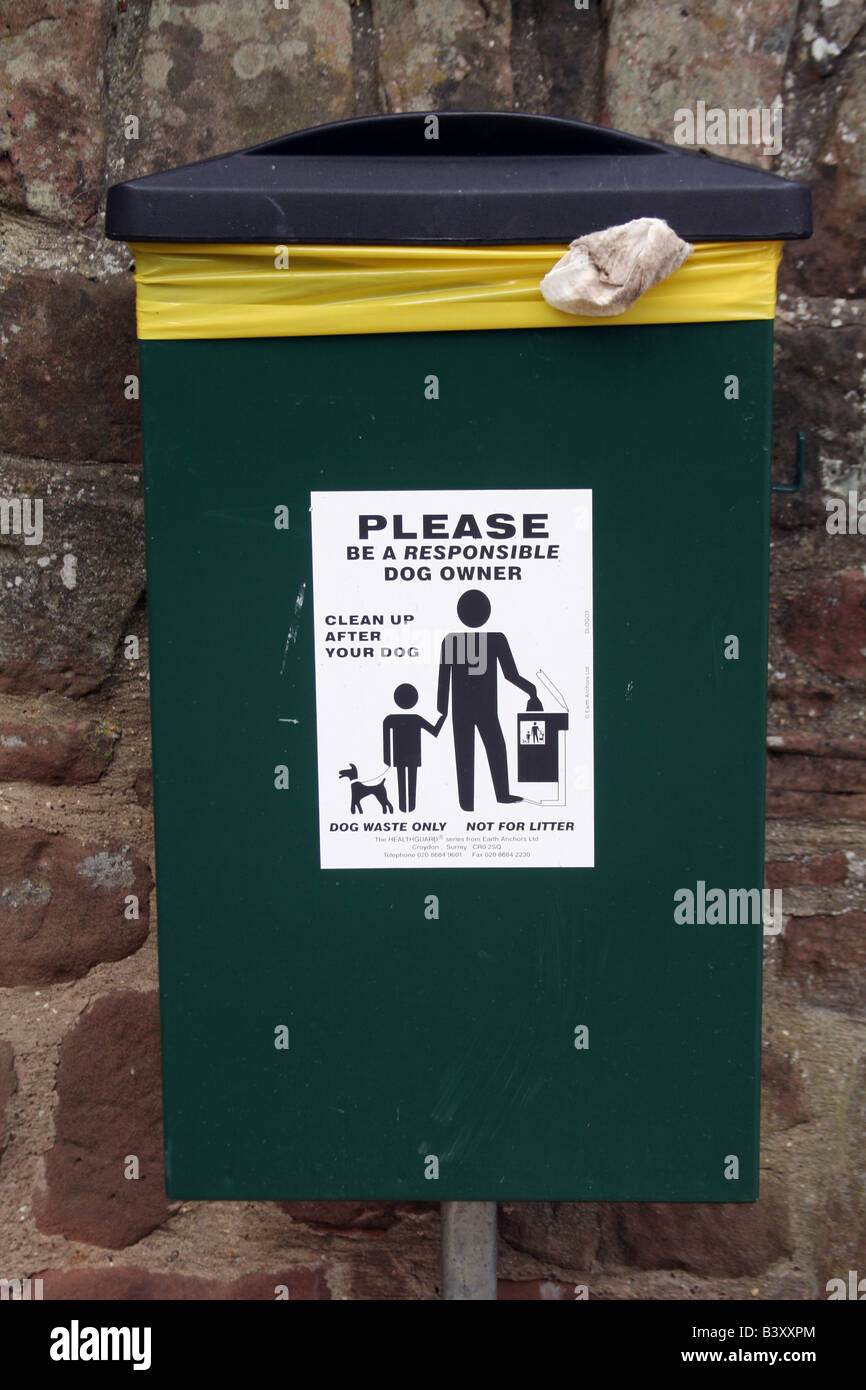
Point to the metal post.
(469, 1251)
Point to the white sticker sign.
(453, 652)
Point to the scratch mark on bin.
(292, 634)
(495, 1075)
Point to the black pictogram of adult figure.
(401, 735)
(468, 676)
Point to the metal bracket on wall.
(801, 467)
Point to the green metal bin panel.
(411, 1038)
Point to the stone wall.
(79, 1072)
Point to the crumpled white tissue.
(603, 273)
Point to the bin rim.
(208, 290)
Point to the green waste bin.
(458, 642)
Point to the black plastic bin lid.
(491, 177)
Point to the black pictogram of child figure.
(361, 789)
(401, 735)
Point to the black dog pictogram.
(361, 789)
